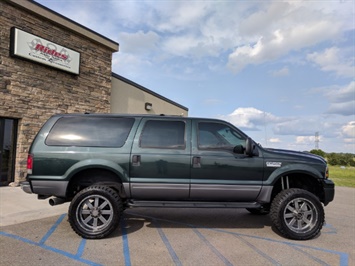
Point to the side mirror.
(249, 147)
(239, 149)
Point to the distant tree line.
(344, 159)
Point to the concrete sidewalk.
(17, 206)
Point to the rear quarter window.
(90, 131)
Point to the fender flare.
(291, 169)
(97, 164)
(268, 185)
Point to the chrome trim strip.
(159, 191)
(224, 192)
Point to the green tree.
(332, 158)
(318, 152)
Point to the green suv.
(104, 163)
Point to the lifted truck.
(104, 163)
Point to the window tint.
(163, 134)
(90, 131)
(218, 136)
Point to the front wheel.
(95, 212)
(297, 214)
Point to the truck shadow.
(135, 219)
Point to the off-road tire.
(95, 212)
(297, 214)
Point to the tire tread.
(276, 210)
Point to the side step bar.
(191, 204)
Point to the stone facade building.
(31, 92)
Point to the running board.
(191, 204)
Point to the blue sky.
(279, 70)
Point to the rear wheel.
(95, 212)
(297, 214)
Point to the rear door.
(161, 159)
(217, 172)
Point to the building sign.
(34, 48)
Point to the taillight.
(29, 164)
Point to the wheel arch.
(296, 176)
(95, 175)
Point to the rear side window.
(90, 131)
(163, 134)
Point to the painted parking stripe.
(311, 256)
(51, 230)
(167, 243)
(126, 252)
(262, 254)
(214, 250)
(81, 248)
(58, 251)
(343, 257)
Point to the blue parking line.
(344, 257)
(126, 253)
(214, 250)
(51, 230)
(343, 261)
(58, 251)
(311, 256)
(262, 254)
(81, 248)
(167, 244)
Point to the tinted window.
(217, 136)
(90, 131)
(163, 134)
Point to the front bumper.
(26, 187)
(329, 191)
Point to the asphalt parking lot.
(175, 237)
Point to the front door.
(219, 172)
(8, 136)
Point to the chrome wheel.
(94, 213)
(297, 214)
(300, 215)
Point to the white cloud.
(273, 45)
(281, 72)
(305, 139)
(138, 42)
(250, 118)
(278, 28)
(177, 16)
(342, 94)
(346, 109)
(342, 100)
(128, 63)
(334, 60)
(349, 130)
(301, 126)
(274, 140)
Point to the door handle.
(136, 160)
(196, 162)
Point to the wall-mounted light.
(148, 106)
